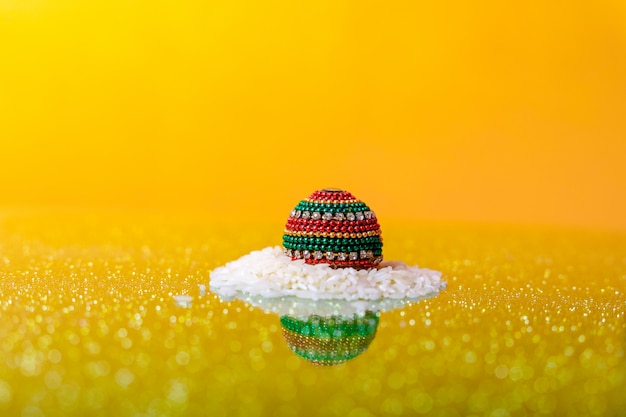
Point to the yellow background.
(470, 111)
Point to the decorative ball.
(332, 226)
(330, 340)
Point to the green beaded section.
(332, 208)
(341, 241)
(333, 327)
(330, 340)
(330, 248)
(324, 244)
(368, 242)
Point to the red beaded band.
(327, 196)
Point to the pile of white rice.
(269, 273)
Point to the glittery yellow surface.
(532, 323)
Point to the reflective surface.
(92, 322)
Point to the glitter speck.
(6, 392)
(501, 371)
(124, 377)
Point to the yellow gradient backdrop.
(472, 111)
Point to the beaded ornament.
(332, 226)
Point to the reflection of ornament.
(333, 227)
(330, 331)
(329, 340)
